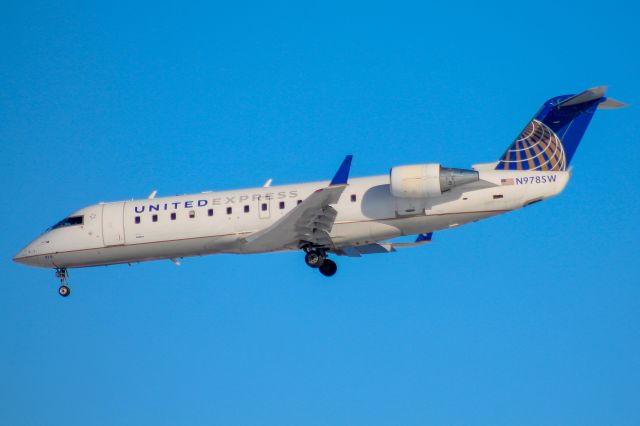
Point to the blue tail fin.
(551, 138)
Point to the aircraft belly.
(445, 221)
(384, 230)
(363, 232)
(428, 223)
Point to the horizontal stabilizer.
(592, 95)
(584, 97)
(612, 104)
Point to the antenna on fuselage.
(152, 195)
(267, 184)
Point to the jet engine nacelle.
(427, 180)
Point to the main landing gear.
(317, 258)
(63, 276)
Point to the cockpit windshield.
(68, 221)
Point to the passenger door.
(113, 224)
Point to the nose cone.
(19, 257)
(33, 253)
(25, 255)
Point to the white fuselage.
(218, 222)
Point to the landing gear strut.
(317, 258)
(63, 276)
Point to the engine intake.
(427, 180)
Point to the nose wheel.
(63, 276)
(317, 258)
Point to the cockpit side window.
(69, 221)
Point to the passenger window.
(264, 207)
(281, 205)
(192, 214)
(497, 197)
(154, 218)
(299, 201)
(173, 216)
(229, 210)
(353, 198)
(137, 219)
(246, 209)
(210, 212)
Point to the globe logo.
(537, 148)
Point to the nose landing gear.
(317, 258)
(63, 276)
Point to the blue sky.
(529, 318)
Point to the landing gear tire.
(314, 259)
(328, 268)
(64, 291)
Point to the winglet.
(424, 237)
(342, 175)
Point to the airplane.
(342, 216)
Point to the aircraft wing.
(309, 222)
(382, 247)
